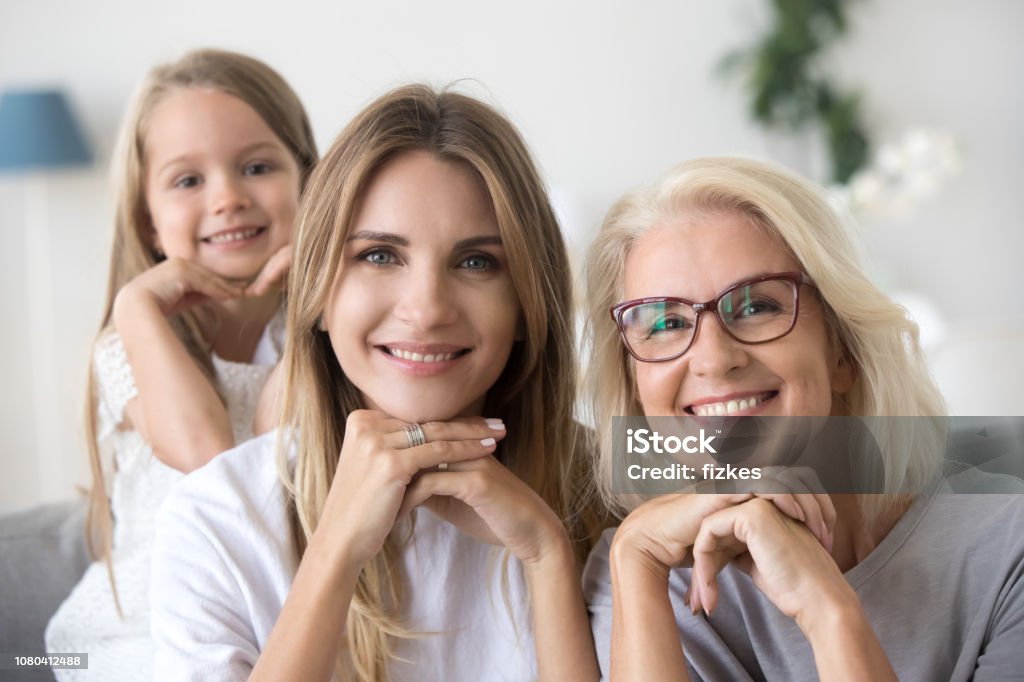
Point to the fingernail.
(706, 612)
(487, 442)
(496, 424)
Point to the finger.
(799, 502)
(273, 272)
(203, 280)
(430, 455)
(708, 561)
(477, 429)
(817, 507)
(824, 500)
(451, 483)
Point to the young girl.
(210, 164)
(430, 367)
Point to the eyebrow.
(256, 146)
(398, 240)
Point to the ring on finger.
(414, 435)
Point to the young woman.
(733, 289)
(428, 385)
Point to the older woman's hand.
(662, 531)
(786, 562)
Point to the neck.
(238, 324)
(856, 536)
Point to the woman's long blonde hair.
(891, 377)
(535, 392)
(133, 252)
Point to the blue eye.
(478, 261)
(379, 257)
(258, 168)
(759, 307)
(668, 324)
(186, 181)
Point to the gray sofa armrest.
(42, 557)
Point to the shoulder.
(238, 494)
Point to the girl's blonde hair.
(535, 392)
(133, 252)
(891, 378)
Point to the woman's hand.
(781, 556)
(377, 466)
(485, 500)
(798, 576)
(664, 528)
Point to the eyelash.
(489, 261)
(249, 169)
(369, 253)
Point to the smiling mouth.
(727, 407)
(234, 235)
(425, 358)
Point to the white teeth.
(233, 236)
(728, 407)
(420, 357)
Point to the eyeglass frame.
(796, 278)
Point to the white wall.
(608, 96)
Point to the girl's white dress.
(87, 621)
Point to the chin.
(422, 411)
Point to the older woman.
(734, 289)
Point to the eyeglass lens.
(752, 313)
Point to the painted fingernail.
(487, 442)
(496, 424)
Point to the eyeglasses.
(755, 311)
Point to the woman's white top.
(87, 621)
(224, 560)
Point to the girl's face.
(422, 314)
(221, 187)
(696, 257)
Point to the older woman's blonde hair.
(133, 250)
(874, 333)
(535, 392)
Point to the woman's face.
(696, 257)
(422, 314)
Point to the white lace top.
(87, 621)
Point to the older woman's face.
(696, 257)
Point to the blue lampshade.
(37, 130)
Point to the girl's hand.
(485, 500)
(176, 285)
(274, 273)
(784, 560)
(377, 466)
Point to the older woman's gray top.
(944, 592)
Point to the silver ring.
(414, 435)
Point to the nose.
(428, 299)
(714, 353)
(228, 194)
